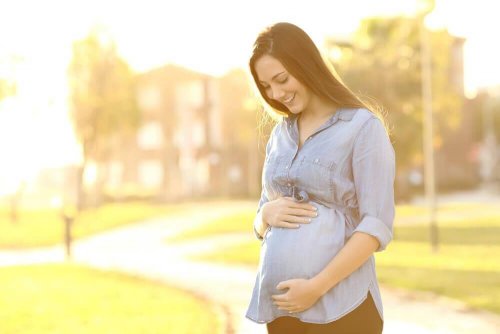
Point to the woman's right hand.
(288, 213)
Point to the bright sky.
(208, 36)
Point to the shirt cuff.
(376, 228)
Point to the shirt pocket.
(318, 173)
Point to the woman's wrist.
(322, 284)
(260, 224)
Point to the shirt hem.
(350, 309)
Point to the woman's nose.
(277, 94)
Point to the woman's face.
(281, 86)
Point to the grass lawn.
(73, 299)
(466, 267)
(45, 227)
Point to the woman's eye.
(283, 81)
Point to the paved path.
(140, 249)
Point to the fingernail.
(315, 208)
(309, 220)
(315, 214)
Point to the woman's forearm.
(355, 252)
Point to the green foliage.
(102, 93)
(103, 102)
(385, 65)
(7, 88)
(73, 299)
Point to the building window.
(150, 136)
(151, 173)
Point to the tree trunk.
(80, 191)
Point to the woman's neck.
(318, 110)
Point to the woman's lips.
(289, 100)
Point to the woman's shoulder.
(361, 115)
(366, 121)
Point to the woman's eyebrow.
(262, 82)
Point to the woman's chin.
(294, 110)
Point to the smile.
(290, 99)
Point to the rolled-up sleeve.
(373, 173)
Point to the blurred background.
(124, 112)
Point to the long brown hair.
(302, 59)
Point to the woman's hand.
(286, 212)
(301, 295)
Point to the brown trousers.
(362, 320)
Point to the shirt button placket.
(287, 167)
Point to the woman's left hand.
(301, 295)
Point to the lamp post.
(67, 214)
(425, 7)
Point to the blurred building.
(185, 146)
(487, 127)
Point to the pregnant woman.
(327, 201)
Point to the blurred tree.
(103, 100)
(384, 64)
(8, 68)
(15, 202)
(7, 88)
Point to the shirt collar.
(342, 114)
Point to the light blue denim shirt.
(346, 169)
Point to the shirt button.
(316, 160)
(289, 184)
(287, 166)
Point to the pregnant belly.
(303, 252)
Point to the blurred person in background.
(327, 201)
